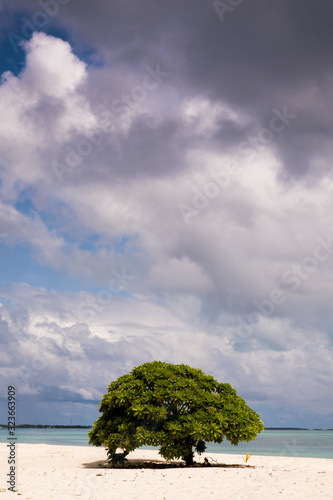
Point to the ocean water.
(285, 443)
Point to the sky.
(166, 194)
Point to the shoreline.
(311, 444)
(240, 453)
(54, 471)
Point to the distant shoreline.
(50, 426)
(42, 426)
(294, 429)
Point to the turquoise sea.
(286, 443)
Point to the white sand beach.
(70, 472)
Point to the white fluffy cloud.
(43, 107)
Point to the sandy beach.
(67, 472)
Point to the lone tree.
(175, 407)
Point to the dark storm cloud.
(148, 149)
(282, 42)
(263, 54)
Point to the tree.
(175, 407)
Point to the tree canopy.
(175, 407)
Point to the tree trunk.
(188, 460)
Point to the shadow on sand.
(160, 464)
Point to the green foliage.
(175, 407)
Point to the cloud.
(46, 343)
(179, 273)
(43, 106)
(98, 153)
(133, 194)
(51, 68)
